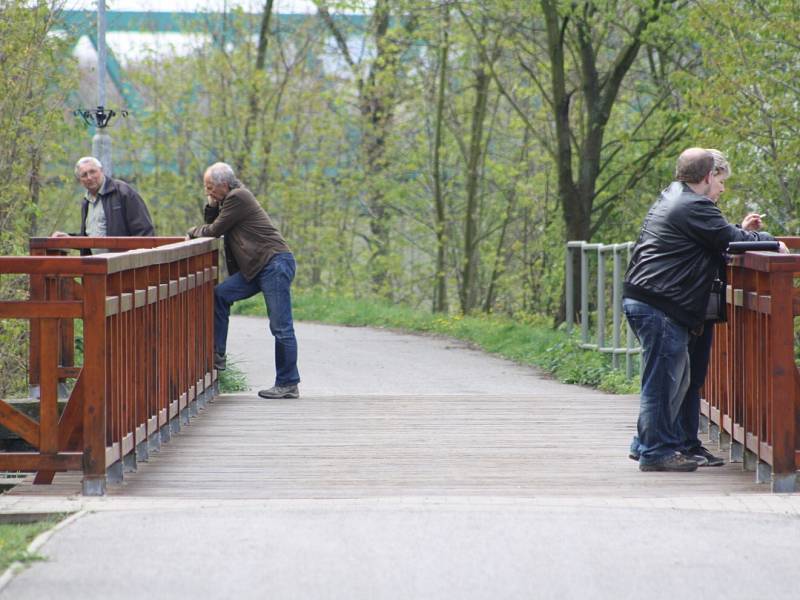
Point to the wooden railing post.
(94, 370)
(782, 381)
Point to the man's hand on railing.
(782, 248)
(59, 234)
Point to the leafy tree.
(575, 58)
(33, 77)
(744, 102)
(378, 76)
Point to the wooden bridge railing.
(753, 385)
(147, 314)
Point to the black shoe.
(704, 457)
(674, 462)
(633, 456)
(220, 362)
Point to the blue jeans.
(274, 281)
(665, 380)
(699, 356)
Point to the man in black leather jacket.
(666, 290)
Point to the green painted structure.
(77, 23)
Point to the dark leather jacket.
(679, 252)
(126, 212)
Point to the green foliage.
(232, 379)
(524, 339)
(34, 83)
(743, 101)
(571, 364)
(338, 145)
(15, 539)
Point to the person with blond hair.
(666, 291)
(700, 345)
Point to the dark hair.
(693, 165)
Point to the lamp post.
(101, 142)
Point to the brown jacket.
(251, 240)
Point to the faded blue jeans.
(665, 380)
(689, 417)
(274, 281)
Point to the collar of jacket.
(105, 188)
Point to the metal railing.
(594, 331)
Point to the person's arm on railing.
(710, 228)
(754, 221)
(228, 214)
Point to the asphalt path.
(413, 547)
(339, 361)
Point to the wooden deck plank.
(570, 443)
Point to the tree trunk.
(254, 98)
(469, 274)
(35, 186)
(376, 102)
(440, 303)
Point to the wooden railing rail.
(752, 392)
(70, 288)
(147, 349)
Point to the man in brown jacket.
(258, 260)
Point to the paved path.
(411, 467)
(345, 361)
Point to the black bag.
(760, 246)
(715, 309)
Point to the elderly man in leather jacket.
(258, 260)
(666, 291)
(110, 208)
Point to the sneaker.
(704, 457)
(280, 391)
(220, 362)
(675, 462)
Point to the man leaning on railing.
(258, 260)
(665, 296)
(110, 207)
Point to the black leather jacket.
(678, 253)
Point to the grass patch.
(527, 340)
(15, 539)
(232, 379)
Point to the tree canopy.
(436, 153)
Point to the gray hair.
(223, 173)
(87, 159)
(721, 164)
